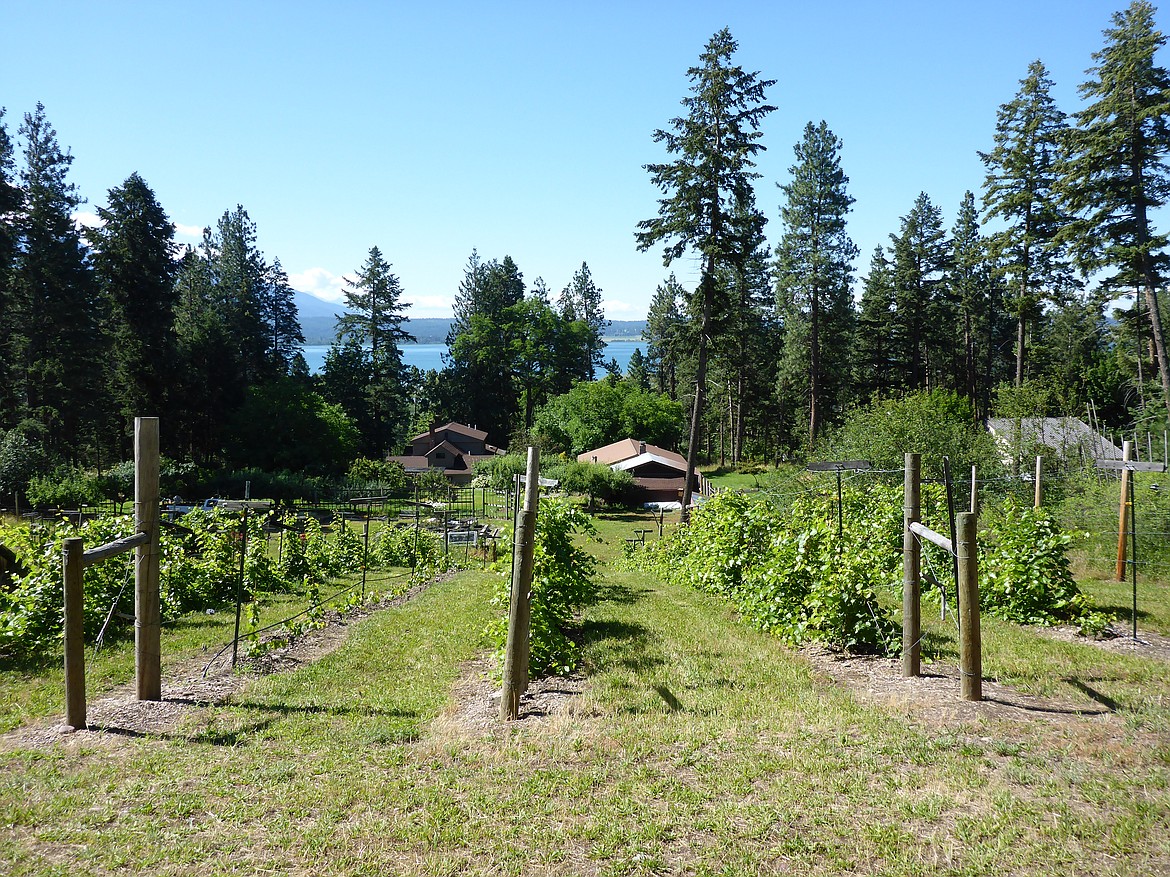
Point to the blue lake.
(430, 356)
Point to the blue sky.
(514, 128)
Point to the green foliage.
(21, 460)
(788, 573)
(198, 569)
(64, 488)
(284, 425)
(500, 472)
(1025, 574)
(384, 473)
(402, 545)
(563, 582)
(597, 413)
(934, 424)
(594, 480)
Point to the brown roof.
(455, 427)
(627, 449)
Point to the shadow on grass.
(232, 737)
(1092, 693)
(289, 709)
(620, 594)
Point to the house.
(659, 475)
(1071, 439)
(453, 447)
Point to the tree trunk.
(1151, 290)
(1021, 335)
(700, 389)
(814, 368)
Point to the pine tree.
(874, 360)
(11, 201)
(742, 354)
(715, 144)
(968, 282)
(482, 347)
(279, 312)
(373, 321)
(814, 273)
(240, 281)
(135, 268)
(1116, 173)
(581, 300)
(923, 314)
(56, 343)
(1020, 189)
(666, 336)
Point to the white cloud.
(320, 282)
(428, 305)
(87, 220)
(193, 232)
(616, 309)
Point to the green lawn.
(698, 746)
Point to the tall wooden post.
(517, 648)
(147, 620)
(911, 573)
(1123, 512)
(974, 492)
(72, 572)
(1039, 498)
(970, 654)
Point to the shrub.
(1025, 574)
(563, 582)
(936, 424)
(787, 573)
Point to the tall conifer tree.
(135, 267)
(1020, 189)
(923, 318)
(56, 342)
(1116, 173)
(814, 273)
(715, 143)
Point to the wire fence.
(1085, 500)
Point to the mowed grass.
(698, 746)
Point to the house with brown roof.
(659, 474)
(452, 447)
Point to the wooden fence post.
(974, 492)
(1123, 512)
(1039, 498)
(517, 648)
(911, 573)
(970, 655)
(72, 572)
(147, 620)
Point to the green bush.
(64, 488)
(935, 424)
(563, 582)
(786, 572)
(1025, 574)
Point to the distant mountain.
(319, 323)
(318, 318)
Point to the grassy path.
(698, 747)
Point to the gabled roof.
(629, 454)
(477, 434)
(445, 446)
(1060, 433)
